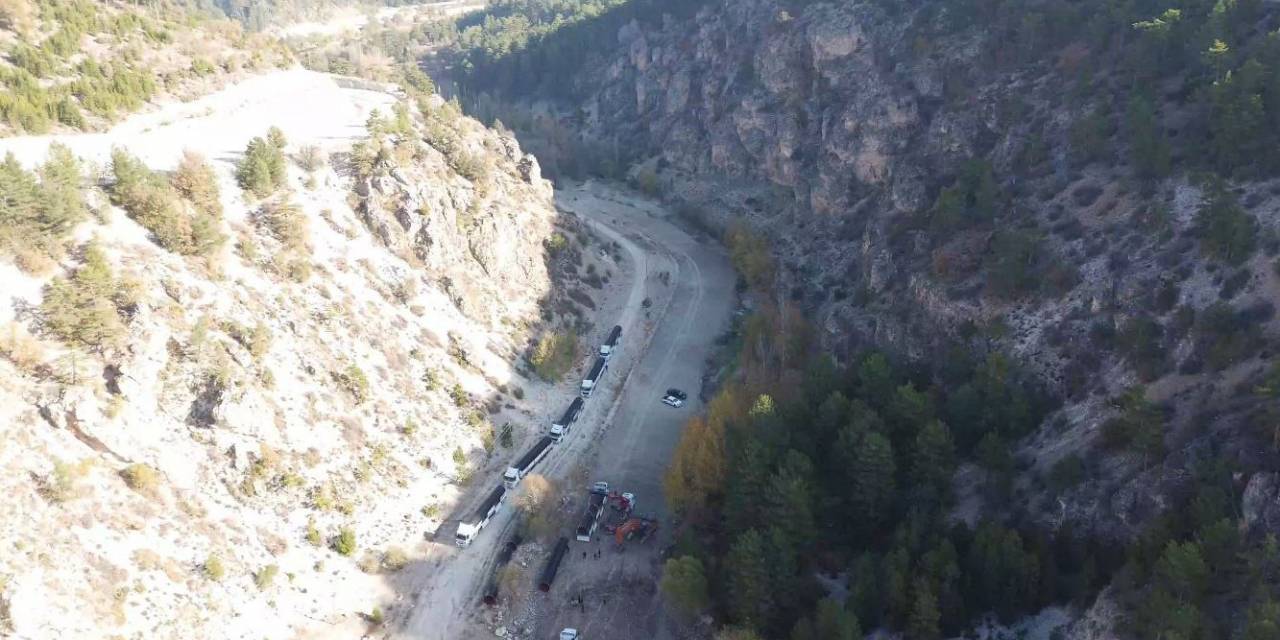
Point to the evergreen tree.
(1263, 620)
(749, 477)
(789, 500)
(873, 487)
(1148, 147)
(922, 623)
(684, 583)
(750, 580)
(933, 462)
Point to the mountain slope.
(230, 410)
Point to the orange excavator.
(634, 527)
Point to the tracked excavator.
(634, 528)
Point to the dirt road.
(625, 435)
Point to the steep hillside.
(246, 367)
(75, 64)
(1087, 188)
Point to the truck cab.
(560, 428)
(466, 533)
(570, 634)
(611, 342)
(511, 477)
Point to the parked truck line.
(592, 380)
(470, 527)
(516, 472)
(560, 428)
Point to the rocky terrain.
(284, 418)
(832, 128)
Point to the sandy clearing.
(306, 105)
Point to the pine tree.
(789, 500)
(922, 623)
(62, 197)
(873, 486)
(750, 580)
(1263, 622)
(832, 621)
(933, 462)
(1149, 149)
(684, 582)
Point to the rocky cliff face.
(833, 129)
(284, 421)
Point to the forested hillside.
(1039, 239)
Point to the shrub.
(354, 382)
(195, 180)
(310, 158)
(140, 477)
(287, 223)
(1226, 232)
(313, 534)
(61, 484)
(554, 355)
(265, 577)
(156, 203)
(20, 348)
(345, 542)
(1066, 473)
(394, 559)
(213, 569)
(459, 396)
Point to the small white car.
(569, 634)
(674, 398)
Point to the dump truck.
(560, 428)
(592, 380)
(470, 527)
(611, 342)
(591, 514)
(520, 468)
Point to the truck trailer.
(521, 468)
(611, 342)
(591, 515)
(592, 380)
(560, 428)
(470, 527)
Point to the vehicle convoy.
(592, 380)
(517, 471)
(560, 428)
(470, 527)
(611, 343)
(591, 515)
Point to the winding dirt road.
(625, 435)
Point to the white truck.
(470, 527)
(592, 380)
(560, 428)
(611, 342)
(570, 634)
(516, 472)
